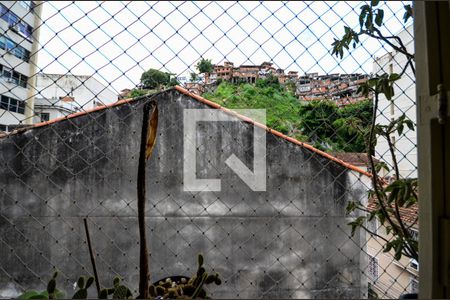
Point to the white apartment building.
(19, 33)
(62, 94)
(403, 102)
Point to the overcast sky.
(117, 41)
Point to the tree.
(270, 80)
(332, 128)
(321, 122)
(402, 192)
(173, 81)
(194, 77)
(205, 66)
(153, 79)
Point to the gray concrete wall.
(290, 241)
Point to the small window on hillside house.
(45, 117)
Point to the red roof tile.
(408, 215)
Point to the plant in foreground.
(186, 288)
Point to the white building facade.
(402, 102)
(60, 95)
(19, 33)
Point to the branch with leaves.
(388, 198)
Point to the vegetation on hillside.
(154, 79)
(320, 123)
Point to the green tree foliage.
(204, 66)
(319, 122)
(332, 128)
(403, 192)
(194, 77)
(282, 108)
(138, 92)
(153, 79)
(173, 81)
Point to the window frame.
(12, 104)
(15, 49)
(16, 23)
(413, 261)
(46, 118)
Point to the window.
(13, 76)
(6, 72)
(15, 23)
(45, 116)
(3, 128)
(373, 268)
(414, 285)
(11, 104)
(14, 49)
(28, 5)
(414, 264)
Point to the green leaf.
(59, 294)
(39, 296)
(406, 194)
(51, 286)
(408, 13)
(116, 281)
(400, 128)
(369, 23)
(362, 16)
(80, 282)
(387, 247)
(372, 82)
(398, 251)
(374, 2)
(410, 124)
(200, 260)
(103, 294)
(389, 92)
(380, 166)
(381, 217)
(392, 196)
(394, 77)
(28, 294)
(371, 215)
(120, 292)
(351, 206)
(388, 229)
(111, 291)
(89, 282)
(379, 17)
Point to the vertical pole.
(31, 89)
(91, 254)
